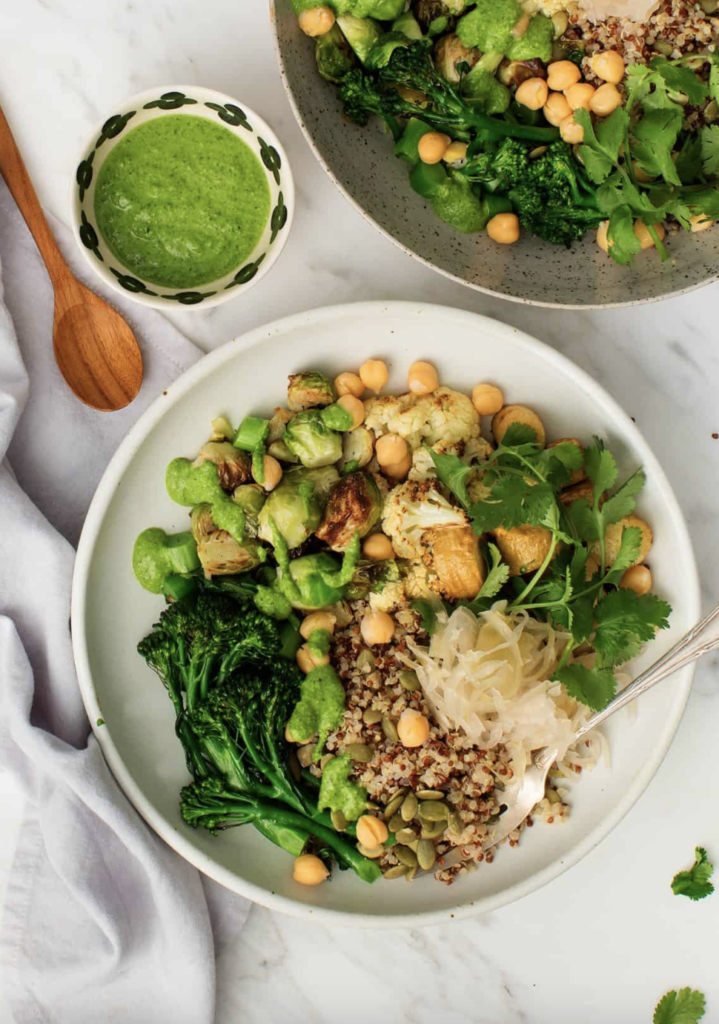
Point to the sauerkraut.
(489, 677)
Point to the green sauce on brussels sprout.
(195, 485)
(320, 708)
(338, 793)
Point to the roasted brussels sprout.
(360, 33)
(309, 575)
(250, 497)
(450, 51)
(233, 465)
(295, 508)
(514, 72)
(357, 446)
(354, 506)
(219, 553)
(334, 55)
(309, 389)
(311, 441)
(426, 11)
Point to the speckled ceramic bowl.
(361, 164)
(198, 102)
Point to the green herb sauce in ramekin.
(181, 201)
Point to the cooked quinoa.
(471, 780)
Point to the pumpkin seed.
(430, 794)
(498, 784)
(396, 823)
(426, 854)
(395, 872)
(365, 660)
(408, 680)
(405, 856)
(455, 824)
(434, 810)
(413, 846)
(405, 836)
(374, 852)
(371, 806)
(362, 752)
(409, 807)
(411, 873)
(372, 716)
(394, 805)
(304, 754)
(433, 829)
(339, 821)
(390, 730)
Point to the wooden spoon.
(95, 349)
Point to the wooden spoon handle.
(18, 181)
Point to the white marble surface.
(605, 941)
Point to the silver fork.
(521, 798)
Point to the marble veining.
(605, 941)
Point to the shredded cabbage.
(489, 676)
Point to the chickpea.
(317, 620)
(504, 228)
(637, 578)
(371, 831)
(316, 21)
(487, 399)
(570, 131)
(602, 240)
(273, 473)
(455, 151)
(349, 384)
(377, 628)
(309, 870)
(580, 95)
(391, 449)
(609, 66)
(643, 234)
(374, 374)
(562, 74)
(605, 100)
(378, 548)
(432, 147)
(532, 93)
(355, 407)
(700, 222)
(306, 660)
(422, 378)
(398, 470)
(556, 109)
(413, 728)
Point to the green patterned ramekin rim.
(238, 118)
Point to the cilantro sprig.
(686, 1006)
(695, 883)
(522, 482)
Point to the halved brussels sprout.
(357, 446)
(233, 466)
(354, 506)
(219, 553)
(309, 389)
(311, 441)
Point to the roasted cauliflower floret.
(416, 579)
(422, 464)
(412, 508)
(391, 598)
(444, 415)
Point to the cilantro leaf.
(625, 620)
(656, 134)
(559, 462)
(710, 149)
(520, 434)
(583, 519)
(678, 79)
(601, 468)
(582, 618)
(682, 1007)
(689, 161)
(622, 503)
(497, 575)
(453, 473)
(594, 687)
(623, 243)
(600, 151)
(695, 883)
(427, 614)
(513, 502)
(629, 549)
(714, 79)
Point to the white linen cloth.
(103, 921)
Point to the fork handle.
(702, 638)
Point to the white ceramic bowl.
(361, 164)
(197, 102)
(110, 612)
